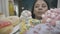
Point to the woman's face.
(40, 8)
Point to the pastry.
(5, 27)
(14, 20)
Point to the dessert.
(14, 19)
(5, 27)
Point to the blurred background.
(15, 7)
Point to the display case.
(4, 9)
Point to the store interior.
(16, 17)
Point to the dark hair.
(33, 16)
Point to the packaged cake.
(14, 19)
(5, 26)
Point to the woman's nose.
(40, 8)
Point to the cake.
(5, 27)
(14, 19)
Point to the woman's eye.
(36, 6)
(43, 6)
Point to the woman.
(39, 8)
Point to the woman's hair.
(33, 16)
